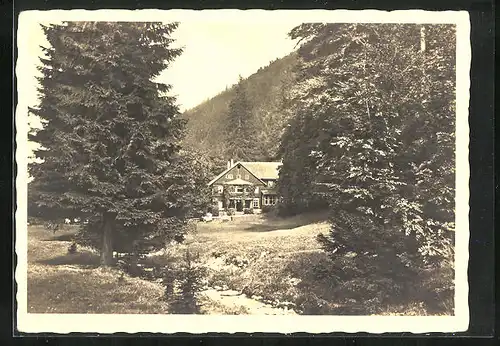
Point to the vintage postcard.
(242, 171)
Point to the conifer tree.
(110, 136)
(381, 107)
(298, 173)
(241, 133)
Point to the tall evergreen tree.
(197, 170)
(110, 136)
(380, 99)
(241, 133)
(298, 174)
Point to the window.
(256, 189)
(229, 176)
(269, 200)
(270, 183)
(255, 203)
(219, 188)
(239, 189)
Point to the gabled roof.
(261, 170)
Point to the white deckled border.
(66, 323)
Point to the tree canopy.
(110, 141)
(373, 135)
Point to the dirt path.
(234, 299)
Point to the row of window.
(269, 200)
(270, 183)
(247, 176)
(230, 176)
(255, 202)
(220, 188)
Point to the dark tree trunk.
(108, 228)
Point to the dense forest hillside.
(265, 89)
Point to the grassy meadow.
(59, 282)
(255, 264)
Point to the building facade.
(246, 185)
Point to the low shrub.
(282, 210)
(289, 210)
(248, 211)
(230, 211)
(222, 278)
(215, 210)
(310, 304)
(267, 209)
(238, 261)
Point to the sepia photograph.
(242, 171)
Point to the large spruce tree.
(380, 99)
(110, 135)
(298, 174)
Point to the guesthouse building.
(246, 185)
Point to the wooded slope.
(265, 91)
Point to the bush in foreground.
(267, 209)
(215, 210)
(183, 284)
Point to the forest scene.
(121, 209)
